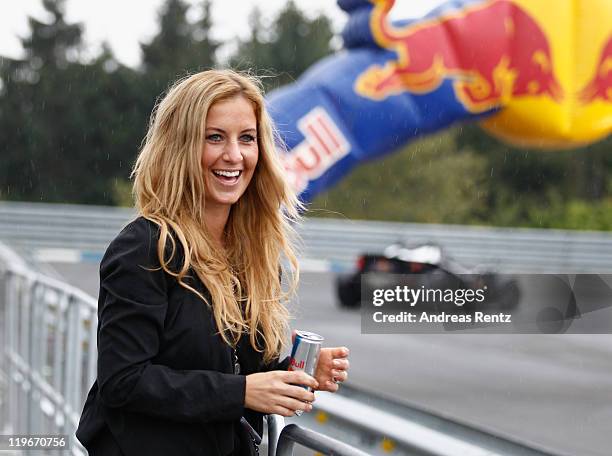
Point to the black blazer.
(165, 382)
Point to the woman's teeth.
(227, 173)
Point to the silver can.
(305, 354)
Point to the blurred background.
(67, 106)
(74, 107)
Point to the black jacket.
(165, 383)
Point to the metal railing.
(49, 351)
(275, 424)
(383, 426)
(293, 434)
(89, 229)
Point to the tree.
(180, 47)
(53, 45)
(67, 125)
(30, 93)
(413, 185)
(293, 44)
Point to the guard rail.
(86, 230)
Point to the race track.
(552, 390)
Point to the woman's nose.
(232, 152)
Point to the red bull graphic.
(600, 87)
(534, 73)
(478, 48)
(323, 145)
(294, 365)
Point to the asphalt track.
(552, 390)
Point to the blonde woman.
(191, 311)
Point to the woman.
(191, 315)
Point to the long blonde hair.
(243, 280)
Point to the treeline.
(464, 176)
(71, 128)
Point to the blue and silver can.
(305, 354)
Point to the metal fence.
(87, 230)
(293, 434)
(49, 334)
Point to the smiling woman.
(191, 313)
(229, 157)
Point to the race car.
(422, 266)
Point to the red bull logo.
(600, 87)
(295, 365)
(323, 145)
(477, 48)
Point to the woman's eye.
(214, 137)
(247, 138)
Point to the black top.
(165, 382)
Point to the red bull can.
(305, 354)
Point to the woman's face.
(230, 150)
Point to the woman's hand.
(277, 392)
(332, 368)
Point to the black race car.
(423, 265)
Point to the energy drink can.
(305, 354)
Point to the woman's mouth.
(227, 176)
